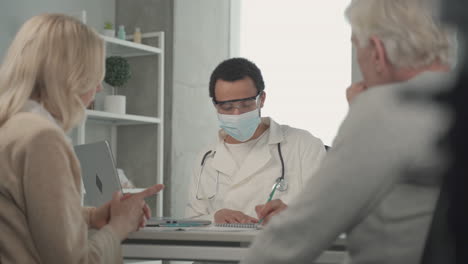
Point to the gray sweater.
(378, 184)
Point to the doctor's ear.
(262, 99)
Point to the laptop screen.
(98, 171)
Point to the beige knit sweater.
(41, 219)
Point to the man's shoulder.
(301, 135)
(382, 115)
(422, 86)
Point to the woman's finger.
(147, 211)
(116, 196)
(150, 191)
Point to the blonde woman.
(51, 72)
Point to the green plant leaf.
(108, 25)
(117, 71)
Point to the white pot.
(109, 32)
(114, 104)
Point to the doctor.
(252, 155)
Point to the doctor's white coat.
(249, 185)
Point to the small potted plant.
(109, 29)
(117, 75)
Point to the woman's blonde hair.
(411, 34)
(54, 59)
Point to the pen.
(269, 198)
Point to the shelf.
(121, 120)
(137, 140)
(124, 48)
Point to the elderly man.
(379, 183)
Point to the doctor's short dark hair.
(235, 69)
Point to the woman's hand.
(129, 213)
(100, 216)
(227, 216)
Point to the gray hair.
(411, 35)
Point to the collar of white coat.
(224, 163)
(32, 106)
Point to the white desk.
(152, 244)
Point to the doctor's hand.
(268, 210)
(227, 216)
(355, 89)
(128, 213)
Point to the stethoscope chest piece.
(282, 184)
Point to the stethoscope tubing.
(282, 186)
(282, 162)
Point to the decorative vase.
(114, 104)
(109, 32)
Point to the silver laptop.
(101, 180)
(98, 171)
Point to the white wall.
(201, 42)
(13, 13)
(304, 52)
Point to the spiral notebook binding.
(238, 225)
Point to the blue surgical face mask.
(241, 127)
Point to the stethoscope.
(280, 183)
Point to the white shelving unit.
(125, 48)
(121, 120)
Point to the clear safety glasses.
(244, 105)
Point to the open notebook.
(228, 228)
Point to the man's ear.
(262, 99)
(379, 55)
